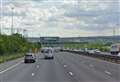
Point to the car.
(29, 58)
(91, 51)
(97, 51)
(115, 49)
(118, 54)
(48, 53)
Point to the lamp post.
(25, 33)
(1, 17)
(12, 21)
(114, 31)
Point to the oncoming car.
(48, 53)
(29, 58)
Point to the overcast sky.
(64, 18)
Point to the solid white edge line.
(1, 72)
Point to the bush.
(14, 44)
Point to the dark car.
(29, 58)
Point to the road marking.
(91, 65)
(71, 73)
(33, 74)
(107, 72)
(1, 72)
(65, 65)
(37, 66)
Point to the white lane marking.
(91, 65)
(65, 65)
(107, 72)
(71, 73)
(37, 66)
(33, 74)
(1, 72)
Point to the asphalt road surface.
(65, 67)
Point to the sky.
(63, 18)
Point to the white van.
(48, 53)
(115, 49)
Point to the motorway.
(65, 67)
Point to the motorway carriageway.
(65, 67)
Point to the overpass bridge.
(46, 41)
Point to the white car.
(119, 54)
(29, 58)
(48, 53)
(94, 51)
(91, 51)
(97, 51)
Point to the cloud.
(63, 18)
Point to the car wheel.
(52, 57)
(32, 61)
(25, 61)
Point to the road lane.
(99, 65)
(66, 67)
(48, 71)
(51, 71)
(90, 69)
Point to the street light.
(25, 33)
(115, 30)
(12, 21)
(1, 17)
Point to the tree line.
(15, 44)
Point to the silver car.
(29, 58)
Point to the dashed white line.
(33, 74)
(1, 72)
(65, 65)
(91, 65)
(107, 72)
(71, 73)
(37, 66)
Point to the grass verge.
(8, 57)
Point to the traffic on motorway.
(65, 67)
(114, 50)
(59, 41)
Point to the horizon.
(76, 36)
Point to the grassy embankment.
(14, 46)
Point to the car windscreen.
(47, 51)
(28, 55)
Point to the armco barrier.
(112, 58)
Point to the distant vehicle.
(29, 58)
(97, 51)
(118, 54)
(48, 53)
(85, 50)
(91, 51)
(115, 49)
(57, 49)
